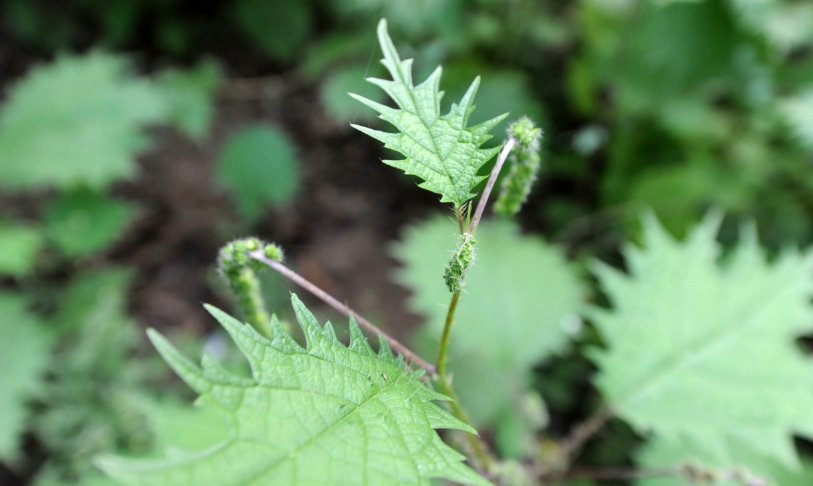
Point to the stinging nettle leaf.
(439, 149)
(314, 415)
(702, 351)
(78, 120)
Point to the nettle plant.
(698, 352)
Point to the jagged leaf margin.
(702, 351)
(322, 414)
(439, 149)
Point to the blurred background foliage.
(136, 137)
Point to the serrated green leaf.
(82, 222)
(259, 166)
(703, 350)
(506, 322)
(314, 415)
(24, 356)
(440, 149)
(76, 121)
(19, 247)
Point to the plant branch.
(492, 179)
(344, 309)
(478, 447)
(689, 473)
(583, 431)
(443, 351)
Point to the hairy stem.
(478, 448)
(443, 351)
(344, 309)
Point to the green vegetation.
(618, 290)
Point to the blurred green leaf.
(339, 105)
(786, 25)
(259, 166)
(797, 112)
(82, 221)
(95, 396)
(19, 247)
(24, 356)
(702, 351)
(190, 97)
(78, 120)
(278, 27)
(661, 453)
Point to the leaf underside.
(314, 415)
(439, 149)
(701, 352)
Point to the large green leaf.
(24, 356)
(703, 351)
(322, 414)
(506, 321)
(439, 149)
(77, 120)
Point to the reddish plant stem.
(582, 432)
(492, 179)
(344, 309)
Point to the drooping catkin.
(525, 164)
(239, 271)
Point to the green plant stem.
(478, 448)
(443, 351)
